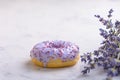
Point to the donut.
(54, 54)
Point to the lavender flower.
(108, 54)
(109, 15)
(86, 70)
(103, 33)
(83, 59)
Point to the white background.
(23, 23)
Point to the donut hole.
(57, 45)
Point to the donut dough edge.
(57, 63)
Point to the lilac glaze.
(57, 49)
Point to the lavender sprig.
(108, 54)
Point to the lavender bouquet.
(108, 54)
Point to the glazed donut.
(55, 54)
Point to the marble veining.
(24, 23)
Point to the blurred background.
(31, 21)
(23, 23)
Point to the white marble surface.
(23, 23)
